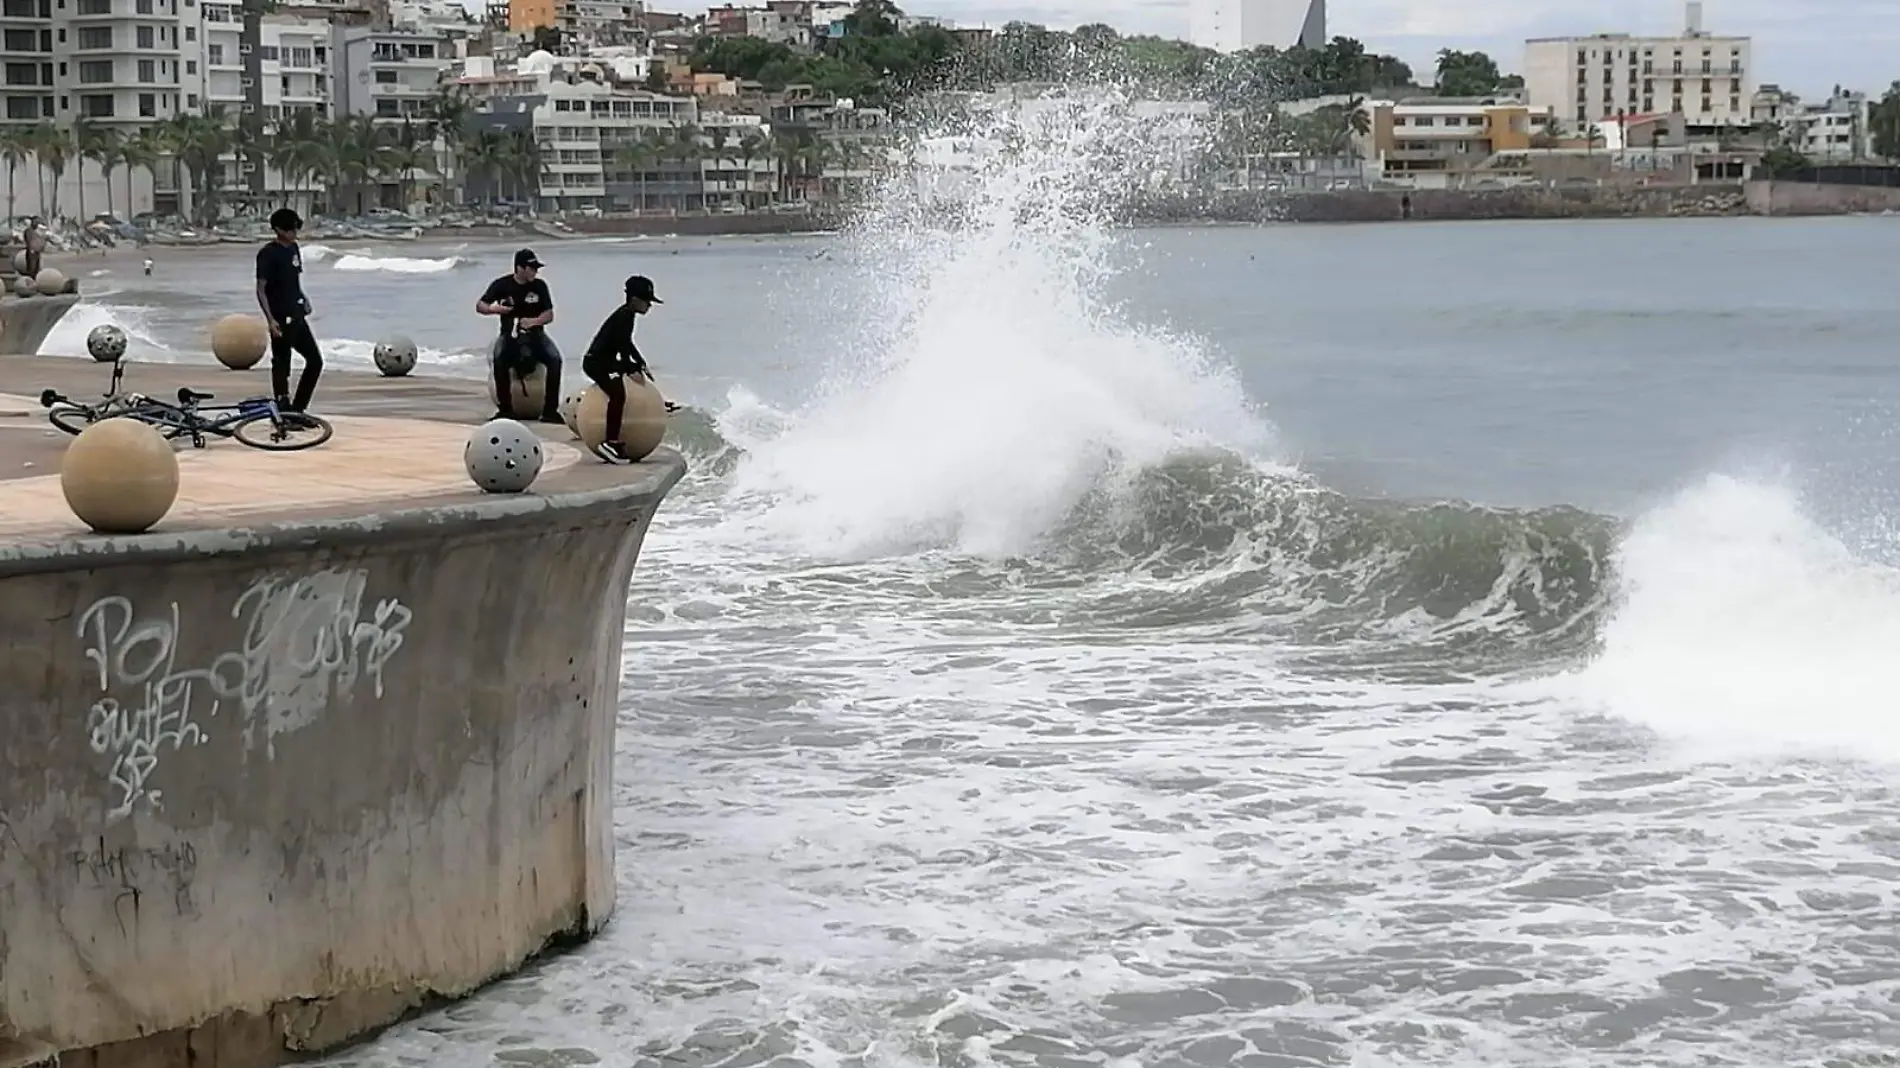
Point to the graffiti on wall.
(300, 643)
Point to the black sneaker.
(554, 418)
(613, 452)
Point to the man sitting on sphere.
(526, 308)
(612, 353)
(287, 312)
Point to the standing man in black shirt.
(526, 307)
(287, 312)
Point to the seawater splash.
(355, 261)
(68, 336)
(991, 386)
(1742, 626)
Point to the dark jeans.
(294, 335)
(606, 375)
(542, 348)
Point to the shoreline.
(1765, 199)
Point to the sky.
(1808, 46)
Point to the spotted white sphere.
(396, 357)
(503, 456)
(106, 343)
(23, 286)
(571, 407)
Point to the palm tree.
(524, 165)
(296, 150)
(448, 113)
(200, 143)
(638, 156)
(686, 149)
(54, 148)
(485, 155)
(15, 146)
(406, 155)
(100, 144)
(751, 147)
(143, 149)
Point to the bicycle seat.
(187, 395)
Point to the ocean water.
(1262, 647)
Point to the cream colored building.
(1708, 79)
(1439, 143)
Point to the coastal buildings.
(1233, 25)
(1706, 78)
(1438, 143)
(608, 143)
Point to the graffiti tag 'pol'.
(304, 641)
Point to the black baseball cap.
(642, 287)
(526, 258)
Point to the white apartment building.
(1233, 25)
(1837, 131)
(113, 62)
(295, 60)
(387, 74)
(604, 138)
(1707, 79)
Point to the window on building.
(95, 72)
(146, 38)
(94, 37)
(93, 7)
(148, 105)
(191, 33)
(214, 55)
(20, 41)
(387, 108)
(148, 70)
(191, 66)
(23, 74)
(96, 105)
(386, 77)
(1706, 105)
(191, 100)
(143, 7)
(23, 107)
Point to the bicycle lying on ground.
(257, 422)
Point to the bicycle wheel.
(284, 432)
(72, 418)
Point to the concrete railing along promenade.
(292, 766)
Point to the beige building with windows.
(1444, 143)
(1708, 79)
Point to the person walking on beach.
(612, 353)
(287, 312)
(526, 308)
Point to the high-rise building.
(115, 62)
(1707, 79)
(1233, 25)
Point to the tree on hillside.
(1467, 74)
(1883, 121)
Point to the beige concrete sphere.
(119, 476)
(19, 262)
(525, 395)
(23, 286)
(642, 425)
(51, 282)
(239, 341)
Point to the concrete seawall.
(266, 788)
(25, 322)
(1807, 198)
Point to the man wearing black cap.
(526, 308)
(612, 353)
(287, 312)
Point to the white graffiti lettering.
(304, 642)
